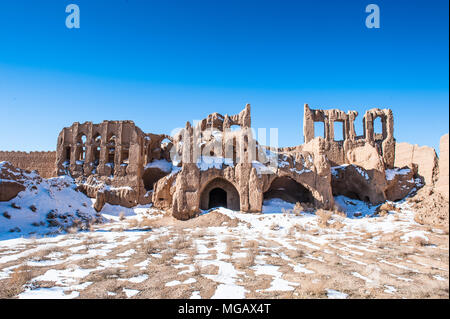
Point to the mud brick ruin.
(212, 164)
(219, 162)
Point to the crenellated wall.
(43, 162)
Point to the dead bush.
(324, 217)
(20, 276)
(182, 242)
(419, 241)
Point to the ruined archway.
(289, 190)
(220, 193)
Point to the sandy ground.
(226, 254)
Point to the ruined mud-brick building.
(219, 162)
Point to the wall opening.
(125, 156)
(166, 146)
(359, 128)
(67, 154)
(377, 128)
(319, 129)
(81, 145)
(339, 134)
(151, 176)
(96, 148)
(220, 193)
(96, 155)
(111, 150)
(234, 128)
(217, 198)
(287, 189)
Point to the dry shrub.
(275, 227)
(324, 217)
(41, 255)
(72, 230)
(132, 223)
(251, 244)
(367, 235)
(197, 270)
(182, 242)
(230, 247)
(391, 237)
(303, 207)
(166, 257)
(312, 289)
(419, 241)
(296, 254)
(337, 225)
(20, 276)
(201, 233)
(147, 222)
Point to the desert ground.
(283, 252)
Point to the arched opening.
(287, 189)
(81, 145)
(217, 198)
(220, 193)
(377, 128)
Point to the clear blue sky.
(162, 63)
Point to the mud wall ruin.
(424, 157)
(42, 162)
(442, 184)
(336, 150)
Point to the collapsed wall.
(42, 162)
(424, 157)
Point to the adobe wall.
(43, 162)
(442, 183)
(423, 156)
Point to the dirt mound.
(211, 219)
(431, 207)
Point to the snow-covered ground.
(144, 253)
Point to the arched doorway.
(217, 198)
(220, 193)
(289, 190)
